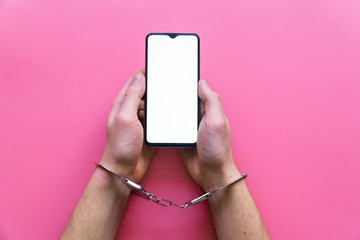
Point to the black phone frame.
(171, 35)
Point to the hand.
(125, 152)
(211, 163)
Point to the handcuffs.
(141, 192)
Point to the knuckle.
(129, 92)
(217, 124)
(216, 96)
(123, 119)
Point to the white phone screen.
(172, 89)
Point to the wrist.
(225, 195)
(117, 167)
(222, 177)
(109, 182)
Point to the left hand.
(125, 152)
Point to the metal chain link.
(141, 192)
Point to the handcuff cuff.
(141, 192)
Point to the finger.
(141, 70)
(202, 109)
(132, 97)
(141, 112)
(141, 115)
(211, 100)
(142, 105)
(117, 101)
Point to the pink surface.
(289, 76)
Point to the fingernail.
(137, 78)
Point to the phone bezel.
(145, 95)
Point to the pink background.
(289, 76)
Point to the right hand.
(211, 164)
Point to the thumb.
(132, 97)
(211, 100)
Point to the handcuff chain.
(168, 203)
(141, 192)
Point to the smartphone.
(172, 103)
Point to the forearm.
(235, 214)
(99, 210)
